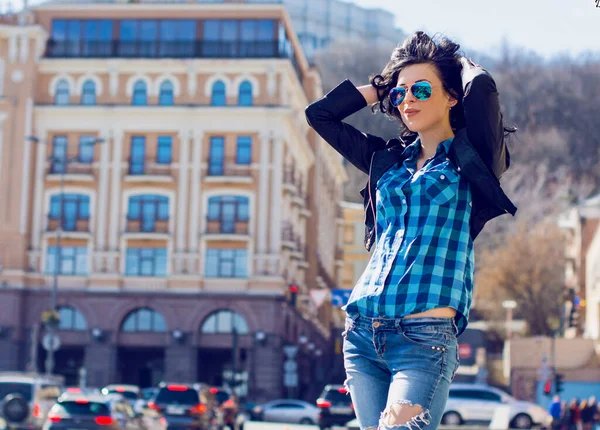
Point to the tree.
(528, 268)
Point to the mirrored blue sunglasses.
(421, 91)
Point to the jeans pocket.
(428, 339)
(348, 327)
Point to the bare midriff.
(435, 313)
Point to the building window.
(165, 97)
(71, 319)
(226, 263)
(71, 260)
(349, 234)
(88, 94)
(245, 94)
(223, 322)
(228, 210)
(244, 150)
(144, 319)
(147, 209)
(140, 94)
(75, 207)
(86, 149)
(218, 97)
(146, 262)
(216, 162)
(164, 152)
(59, 154)
(61, 95)
(138, 155)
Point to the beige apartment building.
(156, 156)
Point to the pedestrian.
(573, 416)
(429, 194)
(589, 413)
(555, 411)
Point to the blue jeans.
(404, 361)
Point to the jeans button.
(376, 324)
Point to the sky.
(548, 27)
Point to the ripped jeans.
(404, 361)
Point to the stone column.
(101, 364)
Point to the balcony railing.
(164, 49)
(69, 224)
(148, 166)
(228, 168)
(70, 168)
(226, 227)
(147, 226)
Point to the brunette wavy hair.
(419, 48)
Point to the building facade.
(157, 165)
(321, 22)
(581, 226)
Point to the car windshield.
(21, 388)
(83, 408)
(178, 396)
(334, 396)
(129, 395)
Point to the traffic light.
(293, 294)
(558, 381)
(548, 387)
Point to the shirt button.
(404, 201)
(376, 324)
(442, 177)
(470, 203)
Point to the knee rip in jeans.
(403, 414)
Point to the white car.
(287, 411)
(474, 402)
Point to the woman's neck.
(430, 139)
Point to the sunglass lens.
(397, 95)
(421, 90)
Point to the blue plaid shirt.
(423, 256)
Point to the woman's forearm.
(369, 93)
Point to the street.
(257, 425)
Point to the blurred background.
(170, 224)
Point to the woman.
(428, 196)
(589, 412)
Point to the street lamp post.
(509, 305)
(51, 328)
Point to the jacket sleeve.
(325, 117)
(485, 128)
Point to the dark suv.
(335, 407)
(186, 406)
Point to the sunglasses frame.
(406, 90)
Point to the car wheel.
(522, 421)
(452, 419)
(15, 408)
(306, 421)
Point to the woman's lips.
(410, 113)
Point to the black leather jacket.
(478, 151)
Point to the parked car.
(186, 406)
(287, 411)
(335, 407)
(474, 402)
(26, 398)
(92, 412)
(131, 393)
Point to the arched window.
(61, 96)
(71, 319)
(144, 319)
(69, 210)
(165, 97)
(245, 94)
(226, 211)
(218, 94)
(147, 209)
(224, 321)
(88, 93)
(140, 94)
